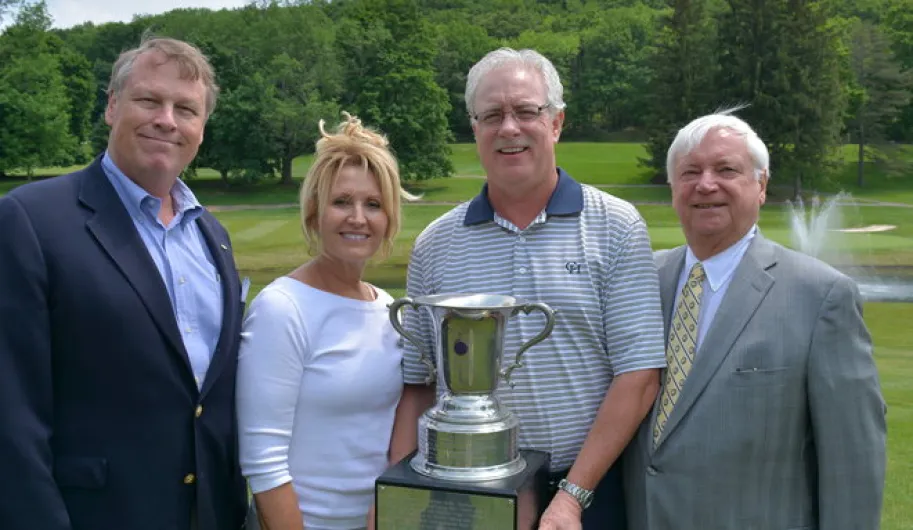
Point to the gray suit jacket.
(781, 423)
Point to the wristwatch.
(584, 496)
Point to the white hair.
(525, 58)
(690, 136)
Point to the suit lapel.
(670, 270)
(670, 266)
(112, 227)
(748, 287)
(221, 256)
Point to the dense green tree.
(507, 19)
(35, 127)
(31, 35)
(898, 24)
(100, 45)
(34, 124)
(238, 142)
(460, 45)
(783, 57)
(866, 10)
(80, 87)
(388, 51)
(401, 66)
(880, 91)
(684, 65)
(302, 32)
(294, 112)
(611, 76)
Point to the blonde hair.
(352, 144)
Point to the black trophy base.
(407, 500)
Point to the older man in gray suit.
(771, 415)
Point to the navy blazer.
(102, 426)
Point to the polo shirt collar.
(566, 200)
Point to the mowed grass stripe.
(259, 230)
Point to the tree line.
(814, 74)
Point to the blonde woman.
(319, 375)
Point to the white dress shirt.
(718, 271)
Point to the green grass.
(269, 242)
(465, 160)
(593, 163)
(883, 183)
(890, 328)
(603, 163)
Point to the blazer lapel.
(748, 287)
(112, 227)
(221, 256)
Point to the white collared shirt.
(719, 270)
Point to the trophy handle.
(549, 324)
(398, 326)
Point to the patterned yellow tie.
(680, 350)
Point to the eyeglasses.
(523, 114)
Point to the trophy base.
(452, 448)
(407, 500)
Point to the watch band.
(584, 496)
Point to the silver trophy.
(468, 435)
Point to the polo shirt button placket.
(521, 256)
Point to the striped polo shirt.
(587, 256)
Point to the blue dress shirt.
(183, 260)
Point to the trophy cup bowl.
(467, 441)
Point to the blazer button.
(189, 478)
(199, 411)
(652, 471)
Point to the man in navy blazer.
(120, 313)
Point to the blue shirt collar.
(566, 200)
(134, 197)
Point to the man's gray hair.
(690, 136)
(526, 58)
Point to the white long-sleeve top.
(319, 378)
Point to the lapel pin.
(224, 247)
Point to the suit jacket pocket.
(756, 376)
(81, 472)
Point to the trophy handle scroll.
(398, 326)
(549, 324)
(506, 372)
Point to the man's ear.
(556, 124)
(110, 108)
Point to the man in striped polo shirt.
(536, 234)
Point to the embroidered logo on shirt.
(573, 267)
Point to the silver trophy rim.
(467, 301)
(468, 474)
